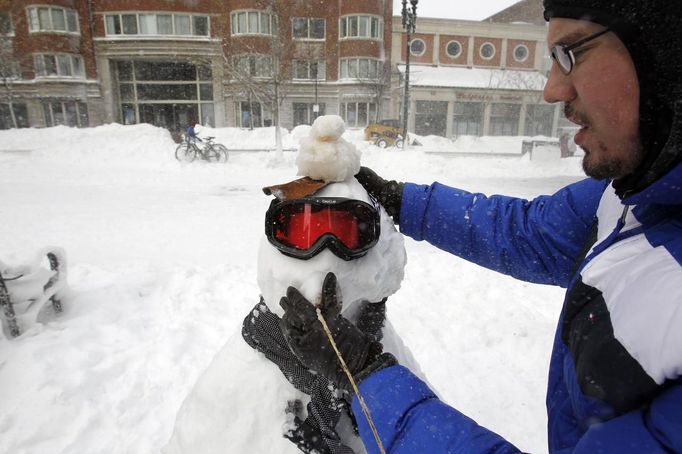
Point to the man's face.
(601, 95)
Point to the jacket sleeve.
(411, 419)
(537, 241)
(656, 429)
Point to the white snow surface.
(162, 269)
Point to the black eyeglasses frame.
(567, 50)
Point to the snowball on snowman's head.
(327, 222)
(325, 155)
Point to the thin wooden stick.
(363, 405)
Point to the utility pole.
(409, 25)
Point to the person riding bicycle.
(192, 133)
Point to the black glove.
(309, 342)
(388, 193)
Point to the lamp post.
(316, 106)
(409, 25)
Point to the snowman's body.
(238, 404)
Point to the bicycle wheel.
(184, 152)
(223, 155)
(211, 154)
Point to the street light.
(409, 24)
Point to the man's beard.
(612, 167)
(605, 167)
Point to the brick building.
(88, 62)
(477, 77)
(243, 62)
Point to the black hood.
(650, 29)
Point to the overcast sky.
(455, 9)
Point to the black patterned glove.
(388, 193)
(309, 342)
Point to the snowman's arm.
(537, 241)
(409, 419)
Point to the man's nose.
(559, 86)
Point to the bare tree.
(260, 77)
(9, 71)
(378, 87)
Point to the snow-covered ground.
(162, 270)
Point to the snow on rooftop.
(462, 77)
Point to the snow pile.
(248, 139)
(103, 143)
(34, 289)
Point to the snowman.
(255, 396)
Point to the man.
(191, 132)
(614, 241)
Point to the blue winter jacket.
(615, 373)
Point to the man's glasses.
(563, 53)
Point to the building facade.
(475, 78)
(169, 63)
(252, 63)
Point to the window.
(430, 118)
(157, 24)
(164, 93)
(52, 19)
(182, 25)
(249, 114)
(539, 119)
(59, 65)
(307, 28)
(10, 69)
(361, 68)
(253, 23)
(487, 51)
(504, 119)
(304, 113)
(68, 113)
(453, 49)
(20, 116)
(6, 27)
(358, 114)
(361, 27)
(467, 119)
(253, 65)
(521, 53)
(417, 47)
(309, 69)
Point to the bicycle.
(189, 150)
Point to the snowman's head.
(370, 276)
(353, 237)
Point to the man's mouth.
(581, 135)
(579, 120)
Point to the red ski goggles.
(302, 228)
